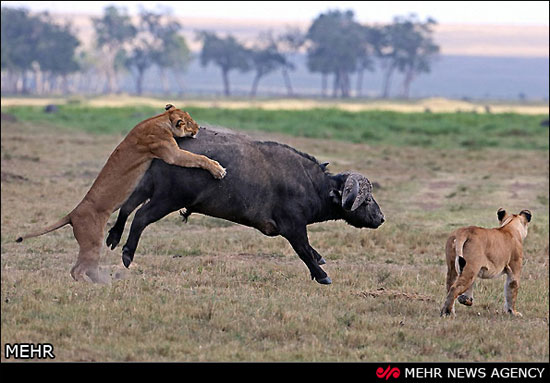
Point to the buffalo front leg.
(300, 243)
(318, 258)
(151, 212)
(115, 233)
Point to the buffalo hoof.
(127, 256)
(113, 238)
(324, 281)
(321, 261)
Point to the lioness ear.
(501, 213)
(179, 123)
(169, 107)
(526, 214)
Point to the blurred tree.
(408, 47)
(37, 44)
(18, 36)
(227, 53)
(418, 53)
(337, 44)
(372, 41)
(289, 42)
(113, 30)
(145, 47)
(265, 59)
(173, 52)
(55, 50)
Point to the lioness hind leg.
(462, 284)
(467, 299)
(89, 235)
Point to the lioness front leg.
(170, 153)
(511, 287)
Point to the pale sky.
(444, 12)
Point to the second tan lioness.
(152, 138)
(486, 253)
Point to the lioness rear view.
(152, 138)
(474, 251)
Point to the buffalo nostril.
(382, 220)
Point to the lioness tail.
(62, 222)
(460, 262)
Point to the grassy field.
(428, 130)
(210, 290)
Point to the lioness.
(151, 138)
(474, 251)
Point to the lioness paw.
(218, 172)
(515, 313)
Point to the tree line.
(40, 56)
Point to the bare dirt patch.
(393, 294)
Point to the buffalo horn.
(356, 190)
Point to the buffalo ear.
(527, 214)
(501, 213)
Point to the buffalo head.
(352, 195)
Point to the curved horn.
(356, 190)
(349, 194)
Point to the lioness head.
(181, 123)
(524, 217)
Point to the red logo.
(388, 372)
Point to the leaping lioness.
(152, 138)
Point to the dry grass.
(210, 290)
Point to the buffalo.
(269, 186)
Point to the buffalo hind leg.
(300, 243)
(147, 214)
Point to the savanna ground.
(211, 290)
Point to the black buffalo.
(269, 186)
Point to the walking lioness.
(486, 253)
(152, 138)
